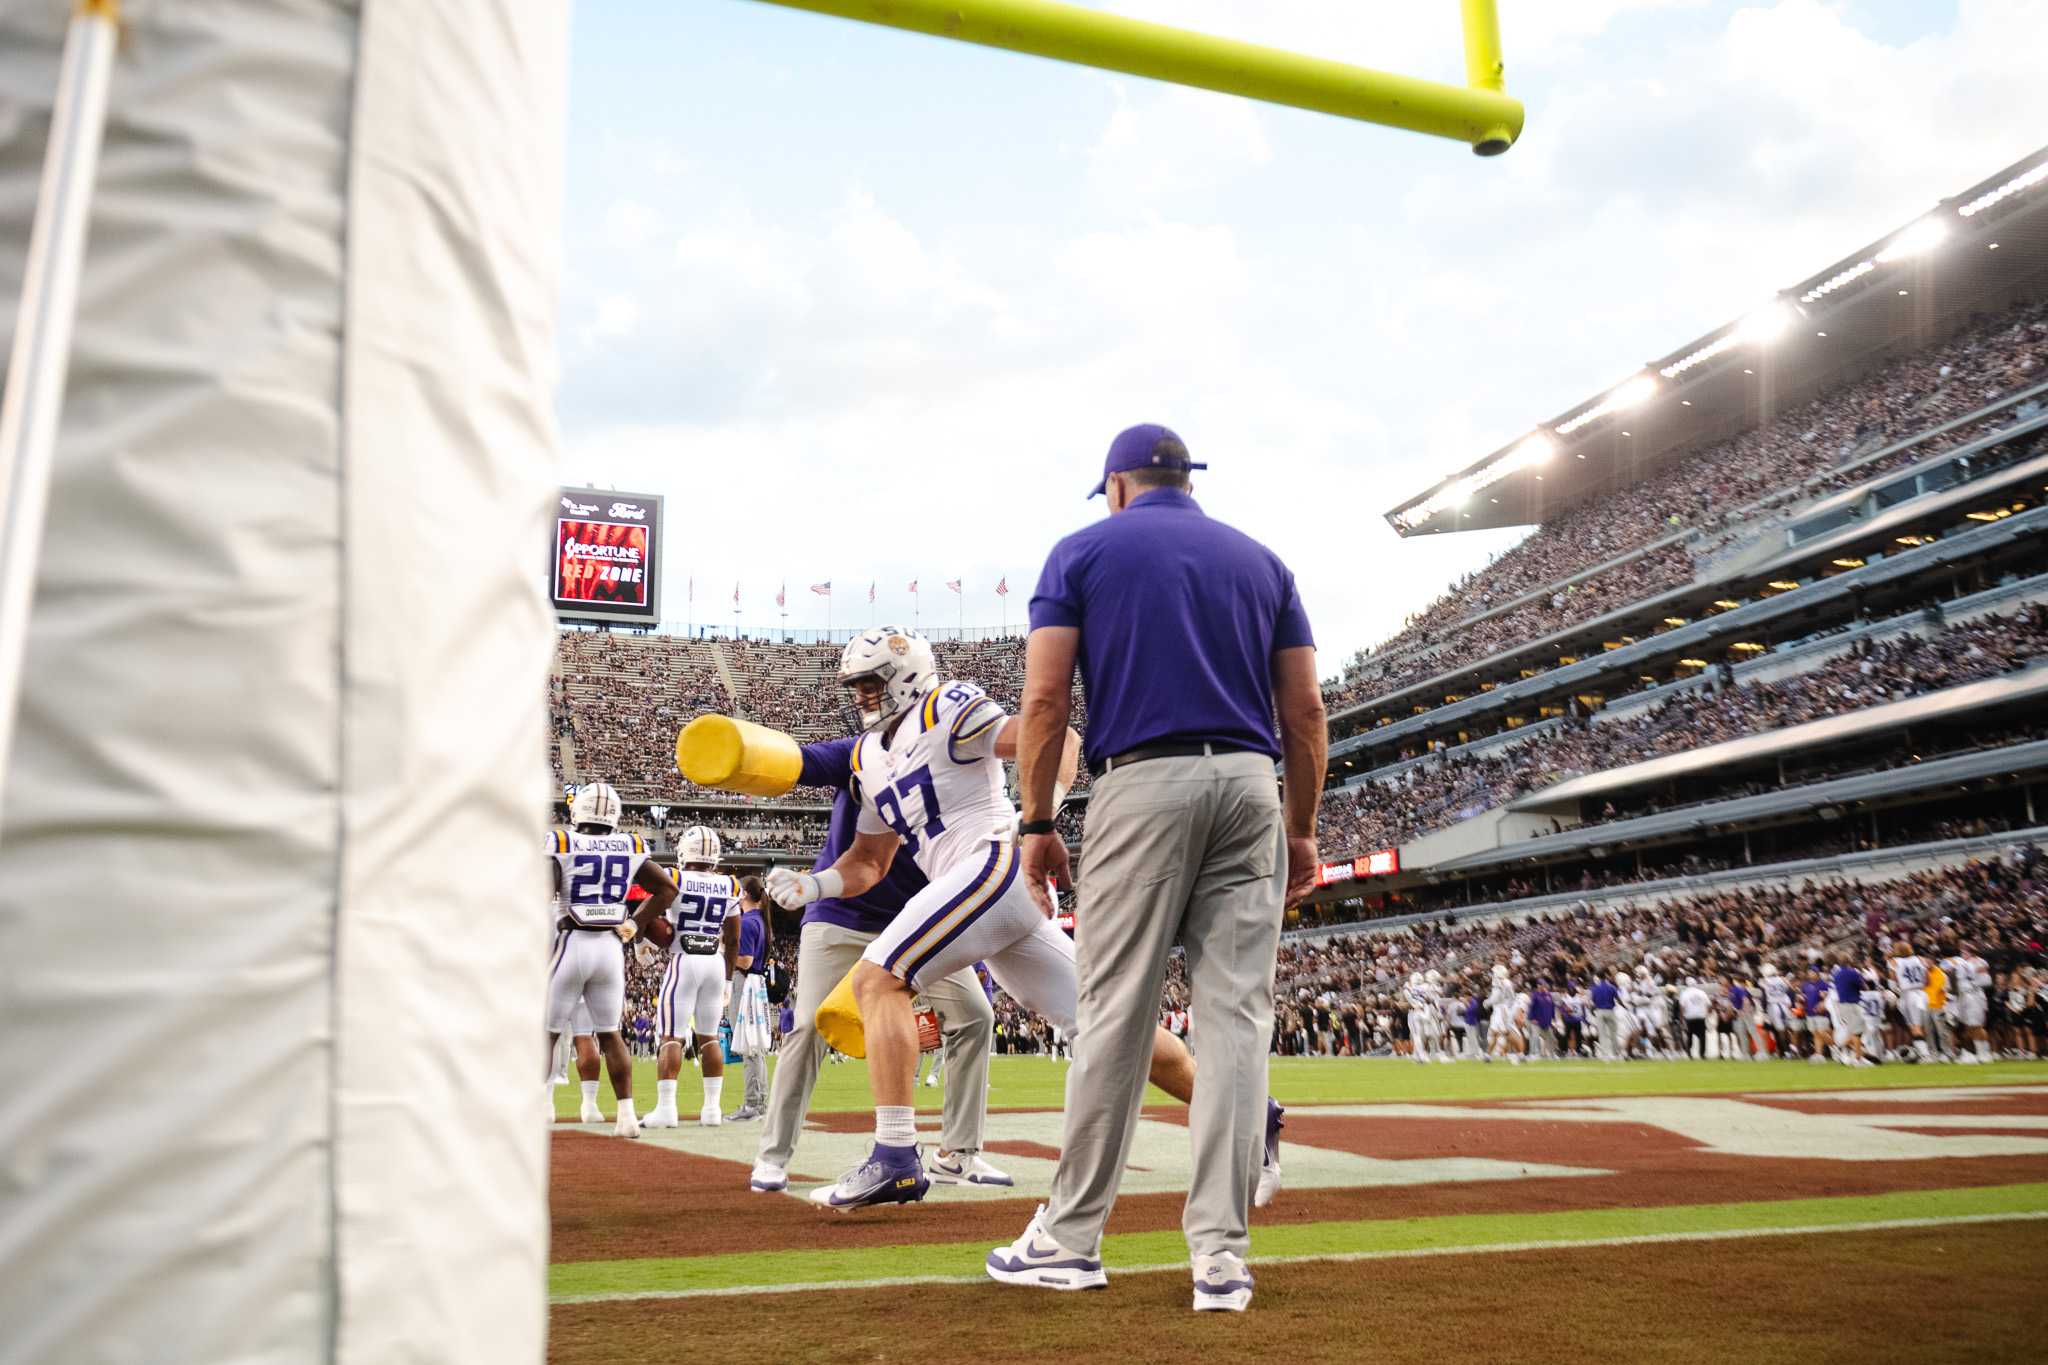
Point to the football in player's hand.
(661, 933)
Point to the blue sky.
(869, 306)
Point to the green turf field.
(1037, 1083)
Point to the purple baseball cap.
(1146, 446)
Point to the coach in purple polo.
(1189, 636)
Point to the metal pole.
(1479, 115)
(34, 394)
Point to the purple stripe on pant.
(995, 853)
(1010, 877)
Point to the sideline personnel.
(1188, 634)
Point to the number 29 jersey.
(703, 900)
(937, 784)
(596, 871)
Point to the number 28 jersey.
(937, 784)
(596, 870)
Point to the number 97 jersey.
(936, 783)
(595, 872)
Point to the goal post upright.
(1479, 114)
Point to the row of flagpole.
(824, 590)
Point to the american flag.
(913, 585)
(735, 594)
(1003, 586)
(953, 583)
(780, 593)
(871, 593)
(822, 589)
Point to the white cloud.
(848, 388)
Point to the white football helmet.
(595, 803)
(698, 847)
(1414, 979)
(1433, 976)
(1500, 969)
(1770, 969)
(902, 660)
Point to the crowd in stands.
(1437, 793)
(1345, 994)
(1806, 452)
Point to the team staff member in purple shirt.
(835, 933)
(749, 960)
(1848, 1011)
(1189, 636)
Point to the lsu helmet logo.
(898, 645)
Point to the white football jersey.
(936, 784)
(1910, 973)
(1503, 993)
(596, 871)
(703, 900)
(1777, 991)
(1420, 997)
(1975, 978)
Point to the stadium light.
(1766, 324)
(1916, 240)
(2024, 181)
(1633, 393)
(1834, 282)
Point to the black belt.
(566, 923)
(1166, 748)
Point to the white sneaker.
(589, 1113)
(661, 1116)
(628, 1126)
(1038, 1261)
(1223, 1284)
(768, 1178)
(963, 1168)
(710, 1116)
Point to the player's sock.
(626, 1105)
(895, 1125)
(664, 1096)
(1983, 1051)
(1920, 1046)
(714, 1087)
(590, 1092)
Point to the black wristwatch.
(1035, 827)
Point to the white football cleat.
(710, 1116)
(1223, 1284)
(661, 1117)
(628, 1126)
(768, 1178)
(590, 1113)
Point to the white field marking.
(1161, 1161)
(1483, 1249)
(1929, 1095)
(1735, 1126)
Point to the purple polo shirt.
(1848, 986)
(828, 763)
(1179, 618)
(1542, 1013)
(753, 939)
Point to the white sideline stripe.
(1559, 1244)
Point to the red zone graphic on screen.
(598, 561)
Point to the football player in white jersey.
(928, 770)
(1503, 1037)
(706, 917)
(1969, 987)
(1909, 979)
(1421, 1017)
(1778, 1010)
(593, 865)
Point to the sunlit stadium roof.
(1970, 253)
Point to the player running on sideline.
(706, 918)
(593, 864)
(927, 785)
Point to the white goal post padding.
(272, 931)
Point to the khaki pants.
(1188, 850)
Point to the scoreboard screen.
(605, 562)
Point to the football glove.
(795, 890)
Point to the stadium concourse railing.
(1813, 651)
(1883, 864)
(1754, 509)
